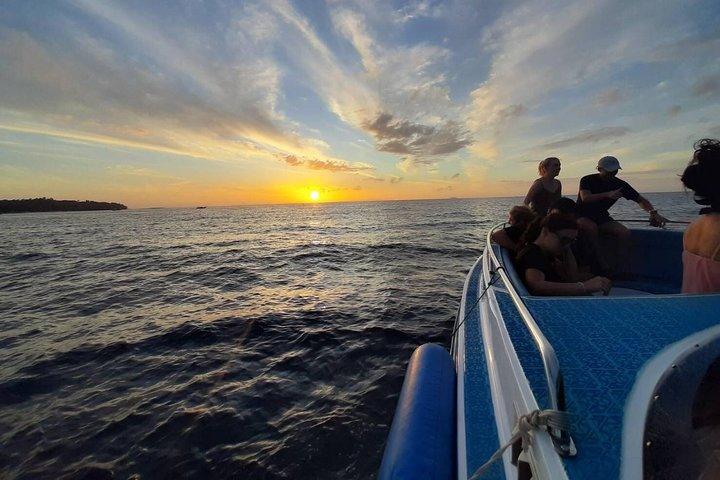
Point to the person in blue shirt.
(599, 192)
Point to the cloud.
(109, 96)
(547, 54)
(405, 137)
(589, 136)
(674, 111)
(330, 165)
(395, 179)
(707, 87)
(455, 177)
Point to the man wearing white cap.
(599, 192)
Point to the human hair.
(565, 205)
(558, 221)
(553, 223)
(542, 166)
(702, 175)
(522, 215)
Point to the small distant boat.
(200, 208)
(635, 373)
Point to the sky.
(190, 102)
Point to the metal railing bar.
(561, 440)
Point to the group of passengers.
(556, 240)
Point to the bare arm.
(531, 193)
(501, 238)
(567, 266)
(656, 220)
(535, 280)
(644, 204)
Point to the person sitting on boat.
(519, 218)
(598, 192)
(547, 189)
(541, 262)
(701, 241)
(583, 250)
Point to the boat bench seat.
(654, 266)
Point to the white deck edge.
(636, 406)
(545, 460)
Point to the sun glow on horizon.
(314, 195)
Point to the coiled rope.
(535, 420)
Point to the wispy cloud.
(589, 136)
(329, 164)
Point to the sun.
(314, 195)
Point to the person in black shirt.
(540, 266)
(519, 218)
(599, 192)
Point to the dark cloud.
(457, 175)
(394, 146)
(674, 110)
(589, 136)
(329, 165)
(292, 160)
(407, 138)
(396, 179)
(707, 87)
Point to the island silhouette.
(51, 205)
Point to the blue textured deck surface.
(480, 429)
(601, 344)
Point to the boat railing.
(556, 391)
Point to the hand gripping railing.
(556, 390)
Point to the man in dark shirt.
(599, 192)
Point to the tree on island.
(51, 205)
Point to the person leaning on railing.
(701, 241)
(540, 262)
(519, 218)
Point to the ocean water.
(261, 342)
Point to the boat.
(621, 386)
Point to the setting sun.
(314, 195)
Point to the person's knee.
(588, 227)
(623, 233)
(617, 230)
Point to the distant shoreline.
(37, 205)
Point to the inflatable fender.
(421, 444)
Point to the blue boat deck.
(602, 344)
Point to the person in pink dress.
(701, 241)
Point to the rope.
(537, 419)
(467, 314)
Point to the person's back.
(701, 255)
(701, 241)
